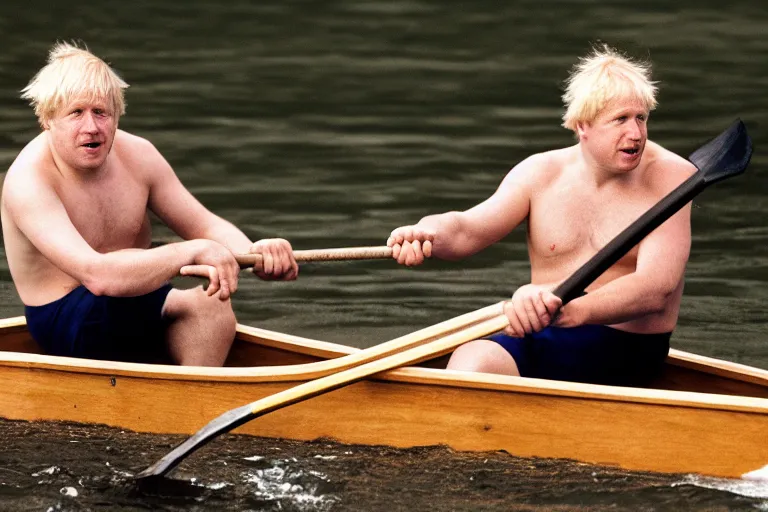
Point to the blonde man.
(77, 234)
(575, 200)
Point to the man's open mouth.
(92, 144)
(630, 151)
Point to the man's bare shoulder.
(133, 146)
(666, 169)
(30, 171)
(139, 155)
(35, 152)
(540, 169)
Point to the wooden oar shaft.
(338, 254)
(236, 417)
(319, 369)
(425, 335)
(412, 356)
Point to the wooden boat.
(702, 415)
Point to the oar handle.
(339, 254)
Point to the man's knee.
(217, 313)
(196, 301)
(201, 329)
(220, 312)
(484, 356)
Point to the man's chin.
(629, 164)
(627, 167)
(90, 164)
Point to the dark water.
(247, 473)
(331, 123)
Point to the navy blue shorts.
(81, 324)
(595, 354)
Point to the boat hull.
(639, 429)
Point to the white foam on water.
(278, 483)
(69, 491)
(758, 474)
(255, 458)
(746, 488)
(53, 470)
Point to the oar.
(725, 156)
(340, 254)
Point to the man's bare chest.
(569, 224)
(110, 217)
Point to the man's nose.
(635, 130)
(89, 123)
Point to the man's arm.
(178, 208)
(653, 287)
(39, 214)
(456, 235)
(661, 261)
(660, 268)
(187, 217)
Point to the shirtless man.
(77, 233)
(575, 200)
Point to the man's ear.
(581, 129)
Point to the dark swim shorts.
(595, 354)
(81, 324)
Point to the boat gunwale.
(718, 367)
(410, 375)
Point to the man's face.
(82, 133)
(617, 136)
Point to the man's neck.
(599, 175)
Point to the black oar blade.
(724, 156)
(224, 423)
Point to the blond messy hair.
(73, 73)
(602, 76)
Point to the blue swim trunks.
(81, 324)
(595, 354)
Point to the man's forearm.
(451, 241)
(133, 272)
(624, 299)
(225, 233)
